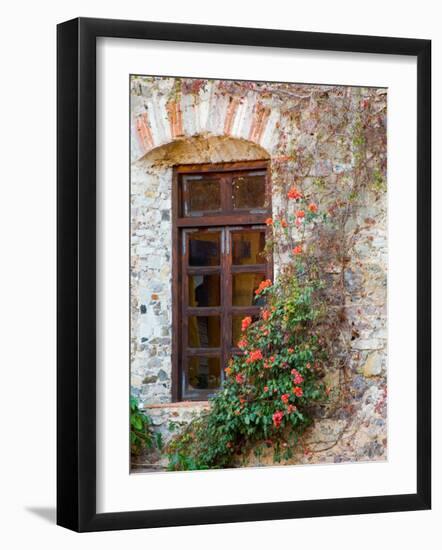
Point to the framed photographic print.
(243, 274)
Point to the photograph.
(258, 274)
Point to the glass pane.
(248, 247)
(236, 327)
(201, 194)
(204, 372)
(248, 191)
(204, 290)
(204, 332)
(204, 248)
(243, 288)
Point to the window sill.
(179, 405)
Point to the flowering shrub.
(271, 385)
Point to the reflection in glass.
(204, 248)
(204, 332)
(204, 290)
(248, 191)
(243, 288)
(201, 194)
(204, 372)
(248, 247)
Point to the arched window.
(219, 235)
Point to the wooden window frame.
(228, 221)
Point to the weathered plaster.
(308, 133)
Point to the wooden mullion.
(206, 270)
(223, 220)
(250, 268)
(184, 308)
(204, 352)
(203, 311)
(226, 297)
(245, 310)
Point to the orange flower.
(246, 322)
(285, 398)
(298, 391)
(269, 221)
(284, 223)
(294, 193)
(265, 314)
(255, 355)
(263, 285)
(313, 208)
(228, 371)
(266, 388)
(300, 213)
(297, 249)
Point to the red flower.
(297, 249)
(242, 343)
(269, 221)
(294, 193)
(300, 213)
(285, 398)
(266, 389)
(239, 378)
(298, 391)
(313, 208)
(290, 350)
(291, 408)
(277, 418)
(246, 322)
(308, 366)
(263, 285)
(284, 223)
(267, 365)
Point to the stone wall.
(329, 140)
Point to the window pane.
(243, 288)
(204, 290)
(248, 191)
(204, 248)
(204, 372)
(204, 332)
(236, 327)
(201, 194)
(248, 247)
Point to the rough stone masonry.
(330, 140)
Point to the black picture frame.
(76, 274)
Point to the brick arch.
(162, 113)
